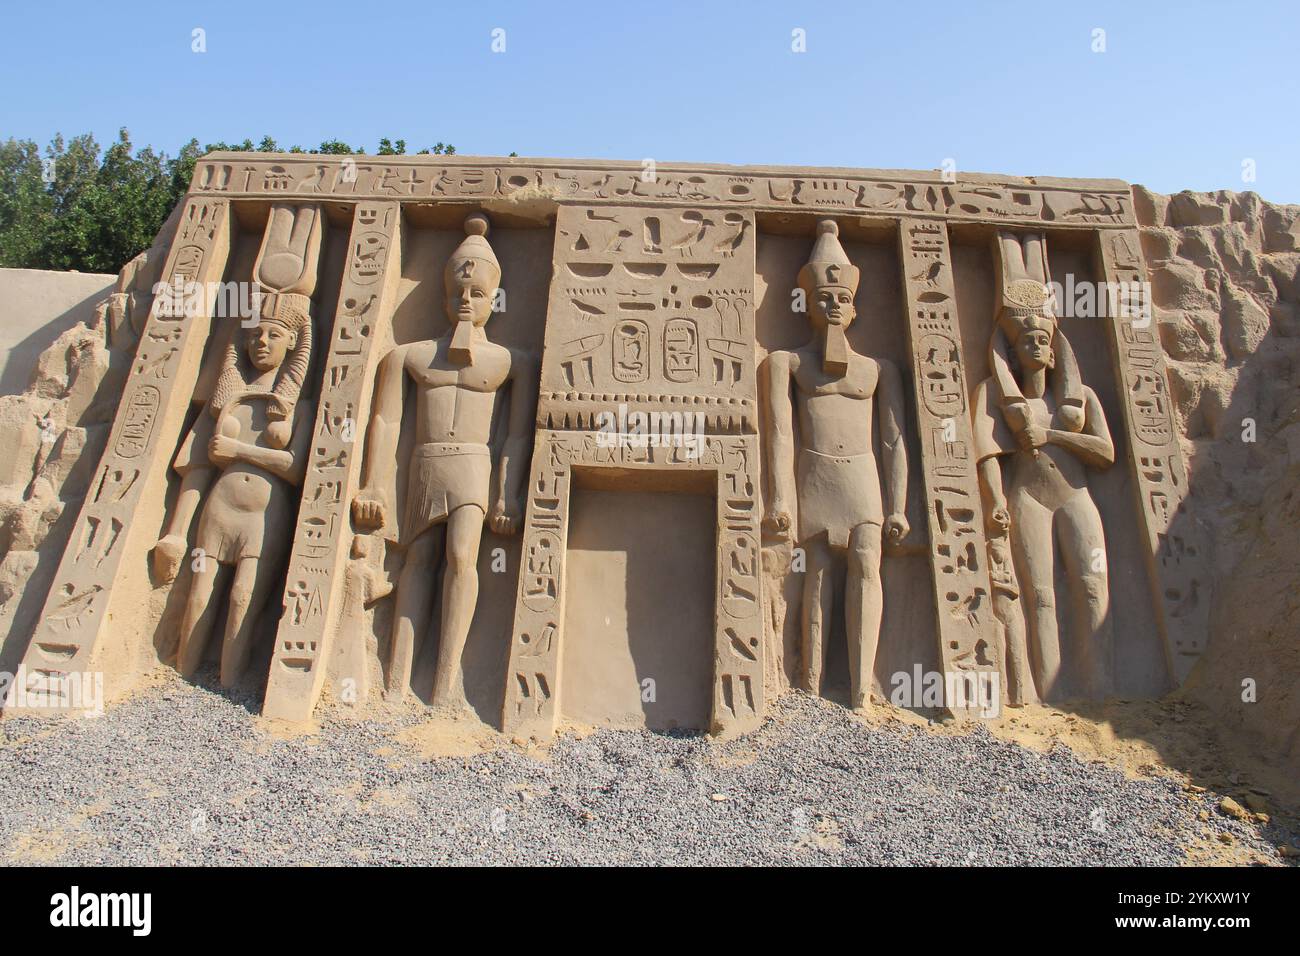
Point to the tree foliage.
(71, 208)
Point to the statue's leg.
(1083, 550)
(818, 594)
(200, 617)
(459, 598)
(1020, 685)
(249, 591)
(413, 605)
(864, 605)
(1031, 547)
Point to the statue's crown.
(474, 252)
(828, 264)
(290, 309)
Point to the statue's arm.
(893, 447)
(513, 473)
(780, 443)
(1093, 446)
(385, 421)
(369, 506)
(996, 515)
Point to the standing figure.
(1046, 504)
(250, 447)
(840, 501)
(450, 489)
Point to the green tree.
(73, 209)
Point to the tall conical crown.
(828, 264)
(474, 252)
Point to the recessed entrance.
(639, 609)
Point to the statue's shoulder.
(521, 360)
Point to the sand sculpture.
(1048, 426)
(454, 358)
(844, 505)
(450, 491)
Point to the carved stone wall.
(651, 376)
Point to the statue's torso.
(1054, 475)
(455, 402)
(835, 411)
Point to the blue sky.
(1183, 94)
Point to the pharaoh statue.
(843, 505)
(246, 451)
(450, 486)
(1033, 453)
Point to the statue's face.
(831, 305)
(267, 344)
(469, 298)
(1034, 350)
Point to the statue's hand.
(223, 449)
(506, 519)
(1032, 436)
(895, 529)
(778, 520)
(368, 510)
(168, 554)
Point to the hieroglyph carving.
(966, 625)
(1101, 203)
(1175, 558)
(313, 598)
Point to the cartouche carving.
(842, 505)
(456, 379)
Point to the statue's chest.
(485, 375)
(859, 382)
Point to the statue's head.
(280, 323)
(267, 343)
(829, 281)
(1034, 347)
(472, 276)
(1027, 319)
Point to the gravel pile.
(181, 774)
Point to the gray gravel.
(182, 774)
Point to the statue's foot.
(450, 707)
(863, 705)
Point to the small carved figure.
(840, 500)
